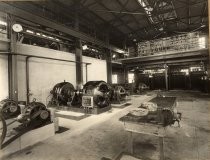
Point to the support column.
(166, 76)
(109, 66)
(125, 74)
(108, 58)
(208, 65)
(78, 51)
(12, 61)
(79, 67)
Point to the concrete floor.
(103, 135)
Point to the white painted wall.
(43, 73)
(4, 93)
(96, 71)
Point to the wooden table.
(146, 129)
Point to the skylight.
(148, 9)
(164, 10)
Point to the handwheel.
(9, 108)
(3, 129)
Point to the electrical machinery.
(96, 94)
(9, 108)
(32, 116)
(64, 94)
(35, 114)
(118, 94)
(141, 87)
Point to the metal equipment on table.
(97, 93)
(64, 93)
(9, 108)
(152, 118)
(119, 94)
(159, 111)
(167, 113)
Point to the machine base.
(87, 110)
(28, 139)
(122, 105)
(97, 110)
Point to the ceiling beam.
(4, 7)
(86, 9)
(100, 3)
(175, 20)
(124, 8)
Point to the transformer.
(96, 94)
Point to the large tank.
(100, 92)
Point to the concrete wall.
(43, 73)
(96, 71)
(4, 77)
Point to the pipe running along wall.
(27, 67)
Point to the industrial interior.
(104, 80)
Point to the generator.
(118, 94)
(96, 94)
(64, 93)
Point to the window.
(130, 77)
(202, 42)
(114, 78)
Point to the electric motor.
(100, 91)
(63, 93)
(35, 112)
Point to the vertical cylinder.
(166, 76)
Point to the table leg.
(130, 143)
(161, 142)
